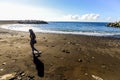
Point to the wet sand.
(64, 57)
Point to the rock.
(1, 69)
(22, 36)
(18, 47)
(3, 41)
(86, 74)
(10, 45)
(64, 39)
(56, 56)
(115, 24)
(93, 57)
(66, 51)
(96, 77)
(77, 44)
(68, 42)
(22, 74)
(19, 78)
(7, 76)
(80, 60)
(43, 37)
(4, 63)
(15, 42)
(46, 40)
(72, 43)
(31, 22)
(79, 49)
(63, 50)
(61, 58)
(52, 46)
(103, 66)
(30, 77)
(51, 64)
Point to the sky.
(61, 10)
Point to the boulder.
(115, 24)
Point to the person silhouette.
(33, 41)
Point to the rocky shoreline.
(31, 22)
(115, 24)
(23, 22)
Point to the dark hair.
(30, 30)
(32, 33)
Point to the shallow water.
(80, 28)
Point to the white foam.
(81, 33)
(22, 27)
(19, 27)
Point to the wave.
(24, 27)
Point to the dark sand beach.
(64, 57)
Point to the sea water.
(79, 28)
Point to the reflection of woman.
(33, 40)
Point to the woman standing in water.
(33, 41)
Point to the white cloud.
(10, 11)
(109, 18)
(89, 17)
(85, 17)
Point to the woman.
(33, 40)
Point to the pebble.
(61, 58)
(80, 60)
(1, 69)
(46, 40)
(77, 44)
(63, 50)
(30, 77)
(19, 78)
(86, 74)
(79, 49)
(66, 51)
(8, 76)
(43, 37)
(51, 64)
(15, 42)
(18, 47)
(103, 66)
(71, 43)
(68, 42)
(4, 63)
(22, 36)
(93, 57)
(64, 39)
(3, 41)
(96, 77)
(52, 46)
(23, 74)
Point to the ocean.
(78, 28)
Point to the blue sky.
(61, 10)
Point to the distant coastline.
(23, 22)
